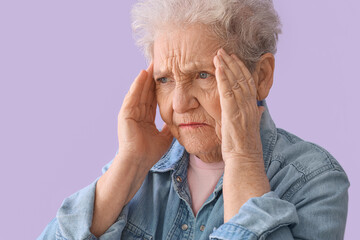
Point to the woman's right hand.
(141, 145)
(140, 142)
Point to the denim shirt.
(308, 199)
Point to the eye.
(204, 75)
(162, 80)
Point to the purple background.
(65, 67)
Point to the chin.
(200, 145)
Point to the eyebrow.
(192, 68)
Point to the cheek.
(210, 101)
(163, 98)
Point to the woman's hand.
(139, 139)
(240, 115)
(140, 146)
(241, 147)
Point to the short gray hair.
(248, 28)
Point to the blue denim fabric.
(308, 199)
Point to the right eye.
(162, 80)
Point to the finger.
(240, 79)
(151, 112)
(240, 90)
(149, 80)
(228, 102)
(144, 105)
(151, 92)
(132, 98)
(150, 104)
(247, 75)
(151, 101)
(152, 88)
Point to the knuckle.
(251, 81)
(236, 86)
(241, 79)
(228, 94)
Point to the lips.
(192, 124)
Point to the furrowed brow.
(160, 73)
(188, 69)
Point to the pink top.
(202, 179)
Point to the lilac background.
(65, 67)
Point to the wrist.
(135, 164)
(242, 180)
(242, 161)
(247, 177)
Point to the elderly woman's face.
(186, 87)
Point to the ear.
(264, 75)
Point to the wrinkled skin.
(194, 82)
(186, 72)
(185, 97)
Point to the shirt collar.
(177, 153)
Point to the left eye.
(204, 75)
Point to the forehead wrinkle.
(183, 60)
(165, 67)
(189, 68)
(176, 64)
(196, 66)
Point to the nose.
(183, 100)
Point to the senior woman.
(219, 168)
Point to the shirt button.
(184, 227)
(202, 228)
(178, 179)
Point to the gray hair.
(248, 28)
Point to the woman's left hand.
(241, 147)
(240, 115)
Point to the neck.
(210, 157)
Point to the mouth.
(192, 125)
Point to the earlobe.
(265, 69)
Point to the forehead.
(193, 47)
